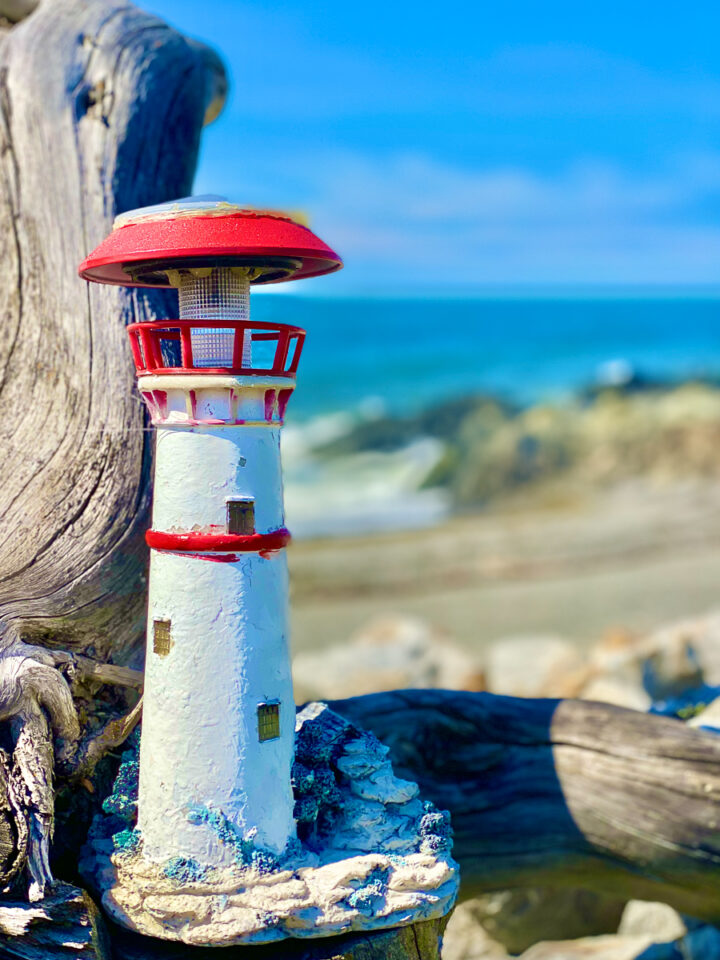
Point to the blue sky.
(452, 146)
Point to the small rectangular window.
(241, 516)
(162, 637)
(268, 721)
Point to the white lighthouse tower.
(218, 716)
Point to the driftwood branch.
(562, 792)
(67, 924)
(84, 669)
(112, 735)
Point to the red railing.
(146, 343)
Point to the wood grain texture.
(101, 108)
(561, 792)
(14, 825)
(65, 926)
(419, 941)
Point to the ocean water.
(404, 354)
(368, 358)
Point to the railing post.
(281, 352)
(186, 347)
(238, 346)
(136, 351)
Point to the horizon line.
(549, 291)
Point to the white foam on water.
(358, 493)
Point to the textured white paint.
(198, 468)
(217, 397)
(229, 653)
(304, 901)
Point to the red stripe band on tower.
(198, 542)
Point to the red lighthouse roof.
(206, 232)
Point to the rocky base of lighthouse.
(370, 854)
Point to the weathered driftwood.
(421, 941)
(561, 792)
(101, 108)
(66, 925)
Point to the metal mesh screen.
(222, 294)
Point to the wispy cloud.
(529, 145)
(416, 187)
(411, 219)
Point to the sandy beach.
(630, 558)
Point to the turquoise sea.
(409, 353)
(369, 358)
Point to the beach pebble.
(619, 692)
(388, 653)
(518, 919)
(655, 919)
(709, 717)
(602, 948)
(466, 939)
(535, 666)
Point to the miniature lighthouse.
(219, 715)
